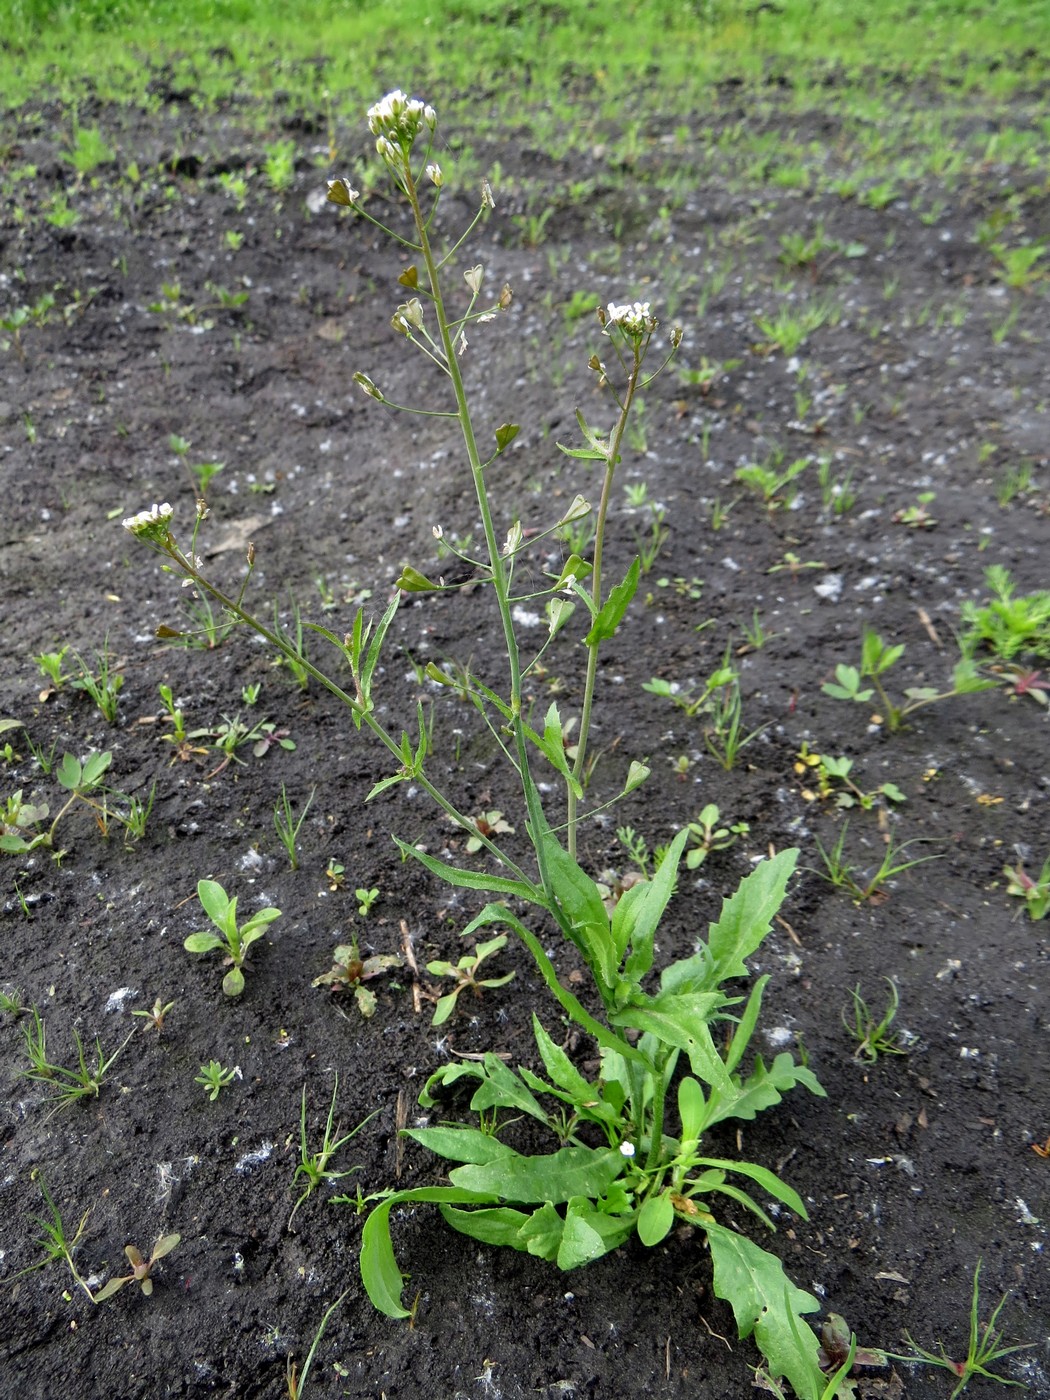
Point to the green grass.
(656, 53)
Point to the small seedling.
(1035, 892)
(839, 871)
(1007, 626)
(489, 824)
(66, 1086)
(335, 874)
(918, 516)
(236, 940)
(833, 782)
(288, 825)
(465, 974)
(103, 685)
(365, 900)
(313, 1166)
(876, 659)
(705, 835)
(772, 484)
(51, 665)
(140, 1268)
(54, 1243)
(154, 1018)
(873, 1036)
(215, 1077)
(349, 970)
(985, 1346)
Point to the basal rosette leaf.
(766, 1304)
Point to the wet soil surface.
(925, 374)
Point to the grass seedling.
(66, 1086)
(214, 1077)
(296, 1379)
(465, 974)
(313, 1166)
(140, 1268)
(103, 685)
(349, 971)
(235, 939)
(876, 659)
(873, 1035)
(839, 871)
(1035, 892)
(984, 1347)
(53, 1241)
(288, 825)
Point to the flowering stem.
(612, 458)
(498, 566)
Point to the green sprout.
(235, 939)
(313, 1166)
(984, 1346)
(873, 1035)
(349, 971)
(1035, 891)
(140, 1268)
(215, 1077)
(465, 974)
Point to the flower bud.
(434, 174)
(474, 277)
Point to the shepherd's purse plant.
(628, 1153)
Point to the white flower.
(634, 319)
(434, 174)
(397, 119)
(150, 524)
(626, 1149)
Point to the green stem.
(499, 568)
(386, 738)
(615, 438)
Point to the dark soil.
(913, 1168)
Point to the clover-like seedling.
(349, 970)
(465, 973)
(140, 1268)
(235, 939)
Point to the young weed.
(140, 1268)
(839, 871)
(465, 975)
(984, 1346)
(349, 971)
(1034, 890)
(232, 937)
(288, 825)
(873, 1035)
(876, 659)
(314, 1166)
(214, 1077)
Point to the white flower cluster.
(396, 120)
(634, 319)
(150, 524)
